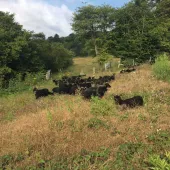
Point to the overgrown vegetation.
(104, 107)
(161, 68)
(77, 128)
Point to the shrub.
(16, 85)
(102, 107)
(161, 68)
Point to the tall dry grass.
(58, 125)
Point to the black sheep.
(56, 82)
(101, 90)
(131, 102)
(73, 89)
(56, 90)
(95, 91)
(87, 93)
(64, 88)
(41, 92)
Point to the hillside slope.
(68, 132)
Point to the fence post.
(94, 71)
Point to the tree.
(89, 22)
(23, 51)
(132, 36)
(56, 38)
(162, 29)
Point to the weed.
(85, 160)
(97, 123)
(60, 125)
(9, 116)
(157, 162)
(75, 126)
(142, 117)
(10, 160)
(6, 160)
(160, 139)
(49, 118)
(126, 154)
(102, 107)
(124, 116)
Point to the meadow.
(69, 132)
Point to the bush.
(16, 85)
(161, 68)
(102, 107)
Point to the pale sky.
(49, 16)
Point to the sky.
(49, 16)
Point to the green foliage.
(127, 62)
(104, 57)
(102, 107)
(58, 57)
(126, 154)
(93, 22)
(49, 117)
(159, 163)
(16, 85)
(22, 51)
(74, 43)
(7, 161)
(84, 160)
(161, 139)
(161, 68)
(97, 123)
(9, 116)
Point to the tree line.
(139, 30)
(24, 51)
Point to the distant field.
(86, 65)
(67, 132)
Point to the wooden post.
(94, 71)
(119, 64)
(48, 74)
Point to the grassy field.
(68, 132)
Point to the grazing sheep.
(64, 88)
(95, 91)
(87, 93)
(56, 82)
(56, 90)
(41, 92)
(131, 102)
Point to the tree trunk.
(96, 48)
